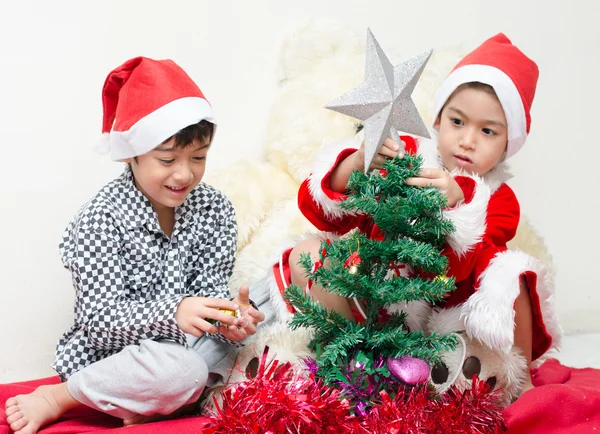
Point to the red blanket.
(83, 419)
(564, 401)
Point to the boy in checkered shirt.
(150, 257)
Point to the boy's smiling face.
(473, 131)
(168, 173)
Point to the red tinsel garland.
(473, 411)
(279, 401)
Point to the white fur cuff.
(489, 313)
(469, 219)
(323, 165)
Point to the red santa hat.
(498, 63)
(147, 101)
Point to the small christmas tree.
(360, 358)
(361, 370)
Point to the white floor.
(581, 351)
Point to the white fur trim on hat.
(505, 89)
(153, 129)
(489, 313)
(102, 146)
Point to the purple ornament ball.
(409, 370)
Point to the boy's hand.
(248, 321)
(356, 161)
(441, 180)
(192, 313)
(388, 150)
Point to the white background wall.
(55, 55)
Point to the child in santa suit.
(481, 119)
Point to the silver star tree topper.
(383, 101)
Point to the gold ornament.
(441, 278)
(353, 269)
(233, 313)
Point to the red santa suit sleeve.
(488, 274)
(321, 205)
(484, 225)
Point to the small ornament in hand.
(234, 313)
(249, 317)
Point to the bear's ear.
(445, 321)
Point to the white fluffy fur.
(545, 290)
(489, 313)
(282, 313)
(268, 217)
(445, 321)
(102, 145)
(497, 176)
(428, 149)
(319, 62)
(469, 219)
(280, 228)
(323, 165)
(417, 313)
(254, 202)
(284, 344)
(529, 241)
(508, 368)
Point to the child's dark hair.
(202, 132)
(470, 85)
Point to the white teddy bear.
(319, 62)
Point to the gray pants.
(159, 377)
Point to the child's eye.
(166, 161)
(456, 121)
(199, 158)
(488, 132)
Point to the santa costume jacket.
(487, 274)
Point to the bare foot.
(26, 414)
(139, 418)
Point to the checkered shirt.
(129, 277)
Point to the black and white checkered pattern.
(129, 276)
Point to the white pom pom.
(102, 146)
